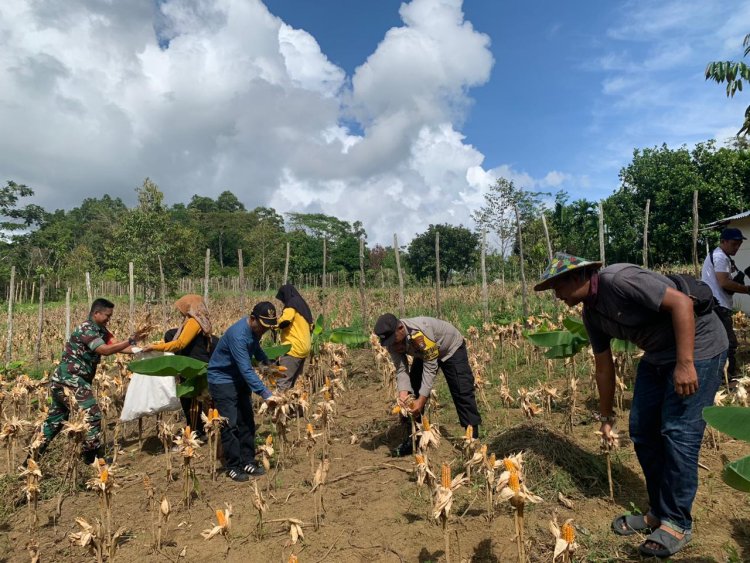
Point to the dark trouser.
(232, 400)
(195, 422)
(725, 315)
(667, 432)
(293, 367)
(59, 411)
(460, 381)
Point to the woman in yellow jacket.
(295, 324)
(193, 339)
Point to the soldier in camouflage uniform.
(71, 381)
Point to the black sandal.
(630, 524)
(669, 544)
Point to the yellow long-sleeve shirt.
(297, 333)
(190, 330)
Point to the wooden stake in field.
(206, 275)
(131, 277)
(696, 267)
(363, 300)
(437, 272)
(519, 234)
(241, 264)
(286, 264)
(67, 314)
(485, 296)
(645, 234)
(163, 293)
(89, 294)
(601, 235)
(11, 295)
(400, 277)
(40, 324)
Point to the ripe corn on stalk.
(423, 471)
(565, 544)
(427, 434)
(223, 523)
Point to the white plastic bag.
(148, 394)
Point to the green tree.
(733, 73)
(458, 252)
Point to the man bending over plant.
(432, 344)
(685, 349)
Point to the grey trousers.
(293, 367)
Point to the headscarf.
(290, 297)
(193, 306)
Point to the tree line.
(102, 235)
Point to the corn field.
(534, 486)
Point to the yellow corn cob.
(327, 396)
(469, 432)
(445, 476)
(293, 558)
(104, 475)
(309, 428)
(509, 465)
(491, 461)
(513, 482)
(220, 518)
(426, 423)
(269, 440)
(396, 410)
(568, 532)
(419, 458)
(187, 432)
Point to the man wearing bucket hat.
(724, 279)
(432, 344)
(678, 375)
(231, 379)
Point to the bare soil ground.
(373, 510)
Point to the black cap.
(731, 233)
(265, 313)
(385, 329)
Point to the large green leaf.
(350, 337)
(169, 366)
(274, 352)
(736, 474)
(565, 350)
(318, 327)
(734, 421)
(576, 326)
(547, 339)
(622, 346)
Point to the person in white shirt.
(719, 272)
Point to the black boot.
(404, 449)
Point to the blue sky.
(395, 114)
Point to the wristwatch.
(610, 419)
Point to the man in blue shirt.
(231, 379)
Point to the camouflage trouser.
(59, 412)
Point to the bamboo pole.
(11, 295)
(365, 321)
(206, 274)
(131, 288)
(89, 296)
(400, 277)
(546, 237)
(163, 293)
(241, 263)
(695, 234)
(523, 275)
(485, 296)
(601, 235)
(67, 314)
(437, 272)
(645, 234)
(286, 264)
(40, 323)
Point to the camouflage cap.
(561, 265)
